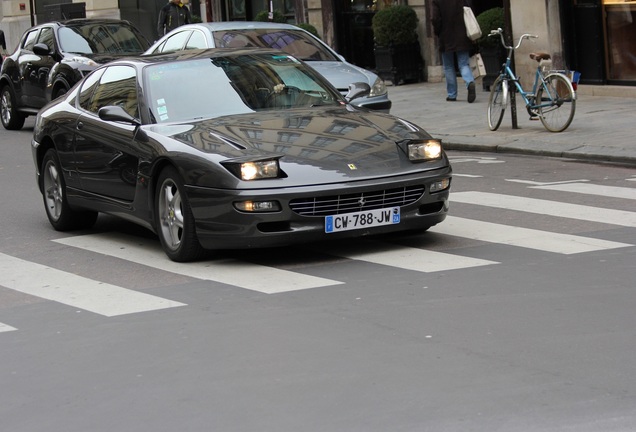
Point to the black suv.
(52, 57)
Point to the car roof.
(243, 25)
(193, 54)
(76, 22)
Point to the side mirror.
(41, 49)
(116, 113)
(356, 90)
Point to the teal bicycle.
(552, 99)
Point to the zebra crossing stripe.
(592, 189)
(522, 237)
(76, 291)
(268, 280)
(6, 328)
(408, 258)
(546, 207)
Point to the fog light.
(439, 185)
(257, 206)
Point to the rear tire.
(497, 103)
(174, 219)
(556, 118)
(60, 214)
(9, 115)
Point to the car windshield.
(293, 42)
(205, 88)
(101, 39)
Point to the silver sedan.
(289, 38)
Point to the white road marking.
(268, 280)
(467, 175)
(545, 207)
(536, 183)
(522, 237)
(77, 291)
(592, 189)
(408, 258)
(483, 160)
(6, 328)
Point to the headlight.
(254, 170)
(378, 88)
(84, 60)
(424, 150)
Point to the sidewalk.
(603, 128)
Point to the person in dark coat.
(171, 16)
(448, 25)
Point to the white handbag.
(473, 31)
(477, 66)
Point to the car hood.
(315, 146)
(341, 74)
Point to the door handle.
(79, 125)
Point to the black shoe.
(471, 92)
(450, 99)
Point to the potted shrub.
(397, 50)
(492, 52)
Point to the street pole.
(32, 7)
(510, 41)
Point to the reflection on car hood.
(100, 58)
(320, 145)
(341, 74)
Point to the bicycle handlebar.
(499, 32)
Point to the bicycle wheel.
(497, 102)
(557, 92)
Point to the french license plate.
(362, 219)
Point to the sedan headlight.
(378, 88)
(254, 170)
(424, 150)
(84, 61)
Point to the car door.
(24, 63)
(37, 63)
(106, 154)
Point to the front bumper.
(220, 225)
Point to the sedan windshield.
(101, 39)
(206, 88)
(293, 42)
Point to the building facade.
(594, 37)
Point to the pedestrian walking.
(449, 27)
(171, 16)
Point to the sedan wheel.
(175, 222)
(61, 216)
(11, 118)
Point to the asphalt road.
(515, 314)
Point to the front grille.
(338, 204)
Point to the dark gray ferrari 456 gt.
(229, 149)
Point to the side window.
(176, 42)
(196, 41)
(88, 88)
(29, 41)
(117, 86)
(47, 37)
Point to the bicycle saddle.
(538, 56)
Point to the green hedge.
(395, 25)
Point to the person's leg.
(448, 60)
(464, 69)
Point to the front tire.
(60, 214)
(497, 102)
(9, 115)
(175, 222)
